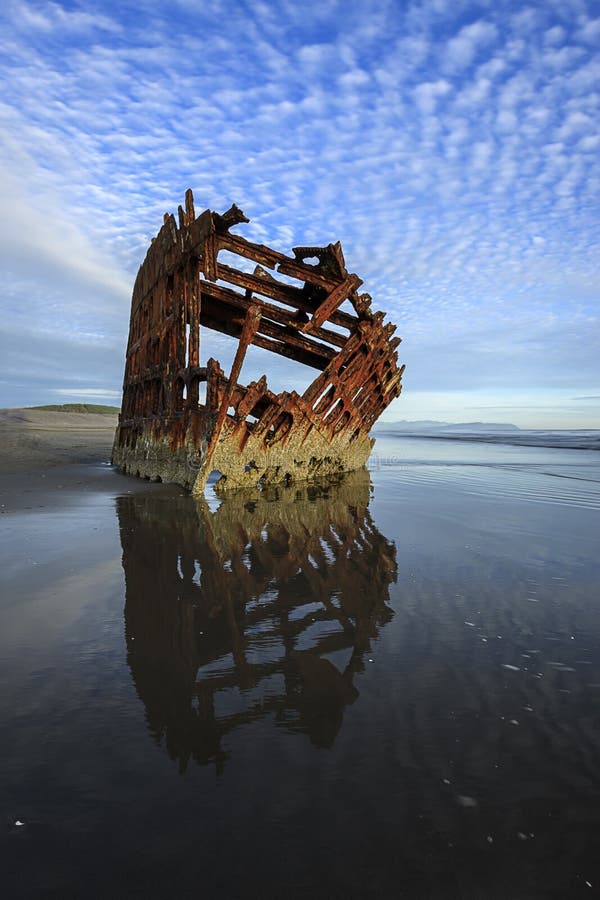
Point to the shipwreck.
(248, 433)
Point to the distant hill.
(97, 408)
(472, 427)
(429, 426)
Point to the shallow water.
(384, 688)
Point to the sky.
(452, 147)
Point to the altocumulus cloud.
(453, 148)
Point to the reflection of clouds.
(266, 606)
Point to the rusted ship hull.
(248, 433)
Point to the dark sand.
(48, 457)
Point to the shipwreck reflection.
(266, 606)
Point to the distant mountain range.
(431, 425)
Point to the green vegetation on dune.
(97, 408)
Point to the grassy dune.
(96, 408)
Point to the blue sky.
(452, 147)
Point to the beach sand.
(31, 438)
(48, 457)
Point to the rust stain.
(166, 433)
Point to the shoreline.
(50, 460)
(589, 439)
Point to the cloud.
(589, 32)
(89, 393)
(462, 49)
(456, 160)
(48, 16)
(428, 93)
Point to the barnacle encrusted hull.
(248, 433)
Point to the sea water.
(387, 687)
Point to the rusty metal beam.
(331, 303)
(275, 313)
(273, 289)
(220, 303)
(232, 327)
(249, 327)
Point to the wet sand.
(51, 457)
(384, 688)
(31, 438)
